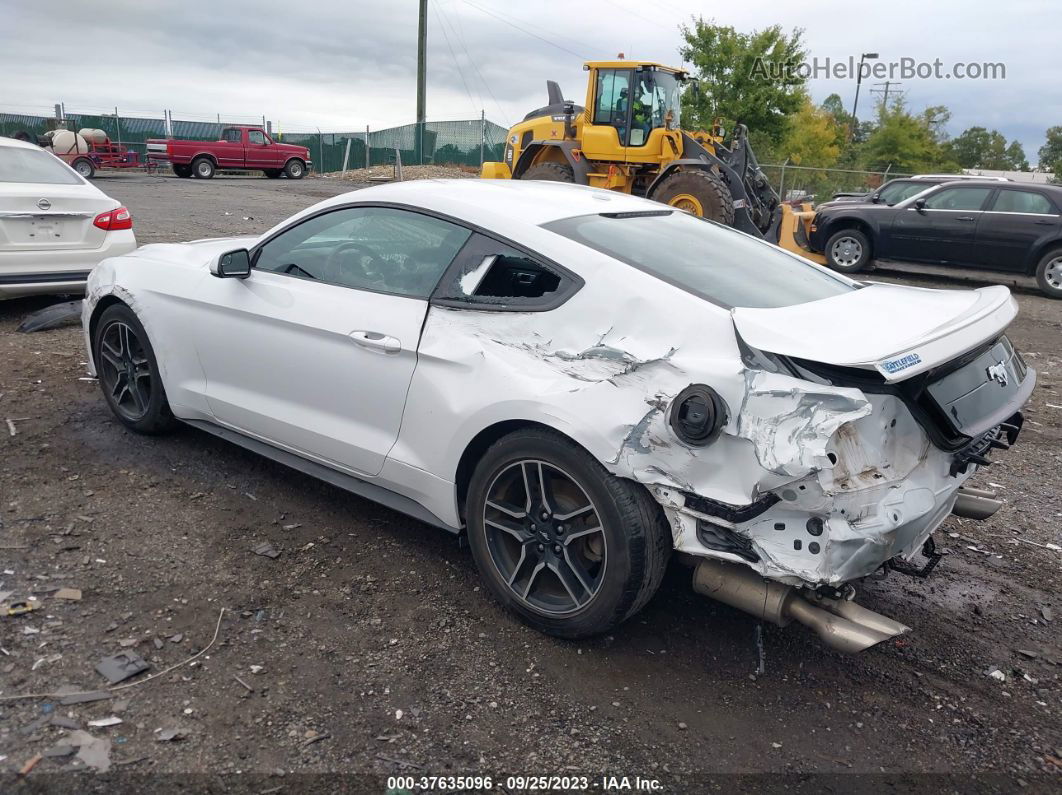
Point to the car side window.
(490, 274)
(1022, 201)
(256, 136)
(367, 248)
(230, 135)
(958, 199)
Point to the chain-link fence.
(467, 142)
(819, 184)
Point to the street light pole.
(859, 80)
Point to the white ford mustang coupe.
(583, 382)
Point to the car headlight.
(697, 414)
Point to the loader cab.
(628, 103)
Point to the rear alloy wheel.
(129, 373)
(182, 171)
(848, 251)
(570, 548)
(295, 169)
(698, 192)
(84, 167)
(1049, 274)
(550, 172)
(203, 168)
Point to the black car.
(896, 190)
(987, 225)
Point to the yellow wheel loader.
(627, 138)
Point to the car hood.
(196, 253)
(897, 330)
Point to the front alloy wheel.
(125, 373)
(129, 373)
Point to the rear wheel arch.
(1037, 254)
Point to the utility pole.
(889, 84)
(859, 81)
(422, 72)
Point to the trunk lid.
(39, 217)
(898, 331)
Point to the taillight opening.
(113, 220)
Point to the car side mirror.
(876, 198)
(920, 205)
(232, 264)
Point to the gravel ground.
(369, 649)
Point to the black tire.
(700, 192)
(84, 167)
(295, 169)
(1049, 274)
(550, 172)
(273, 173)
(621, 543)
(144, 413)
(182, 171)
(848, 251)
(203, 168)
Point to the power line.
(526, 31)
(461, 43)
(453, 55)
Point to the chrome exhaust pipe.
(975, 503)
(840, 624)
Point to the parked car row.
(981, 225)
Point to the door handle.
(965, 218)
(375, 341)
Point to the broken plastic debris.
(73, 594)
(121, 666)
(114, 720)
(84, 698)
(266, 550)
(166, 735)
(998, 675)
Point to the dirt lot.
(368, 647)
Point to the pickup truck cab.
(238, 149)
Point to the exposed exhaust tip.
(842, 625)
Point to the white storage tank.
(65, 142)
(93, 135)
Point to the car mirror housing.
(234, 264)
(920, 205)
(876, 198)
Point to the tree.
(748, 78)
(813, 137)
(908, 143)
(978, 147)
(1050, 153)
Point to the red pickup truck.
(238, 149)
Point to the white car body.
(48, 242)
(279, 363)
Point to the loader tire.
(699, 192)
(550, 172)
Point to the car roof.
(17, 143)
(959, 177)
(490, 201)
(992, 183)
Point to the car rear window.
(34, 166)
(704, 258)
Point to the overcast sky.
(343, 64)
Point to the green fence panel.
(461, 143)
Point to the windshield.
(898, 191)
(660, 92)
(34, 166)
(704, 258)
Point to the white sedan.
(583, 382)
(54, 225)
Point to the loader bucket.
(793, 232)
